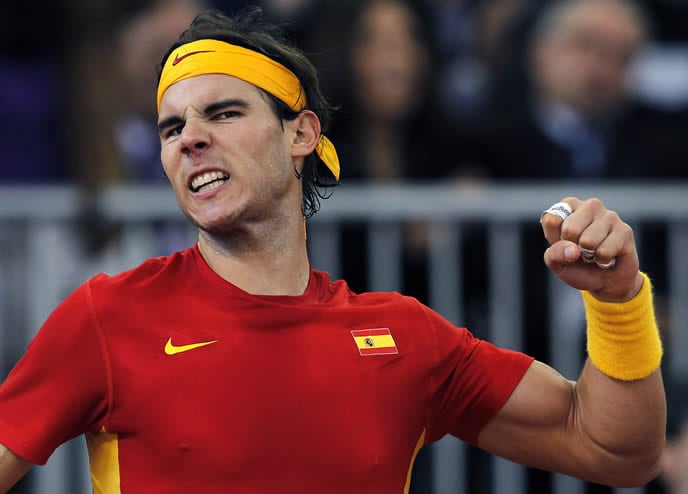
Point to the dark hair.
(248, 29)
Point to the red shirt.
(185, 383)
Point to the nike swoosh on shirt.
(178, 59)
(171, 349)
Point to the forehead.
(201, 90)
(609, 18)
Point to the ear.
(306, 134)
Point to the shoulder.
(152, 274)
(340, 292)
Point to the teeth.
(210, 186)
(208, 179)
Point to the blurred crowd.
(572, 89)
(467, 91)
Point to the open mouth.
(208, 181)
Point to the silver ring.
(605, 265)
(590, 253)
(561, 209)
(587, 255)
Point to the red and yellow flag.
(376, 341)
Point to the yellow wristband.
(623, 338)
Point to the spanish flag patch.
(377, 341)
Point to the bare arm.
(600, 428)
(12, 468)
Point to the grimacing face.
(227, 155)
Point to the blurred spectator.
(578, 120)
(376, 61)
(93, 97)
(472, 39)
(111, 58)
(141, 43)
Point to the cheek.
(265, 150)
(166, 158)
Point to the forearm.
(622, 424)
(619, 398)
(604, 429)
(12, 468)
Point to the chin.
(218, 225)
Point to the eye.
(173, 131)
(225, 115)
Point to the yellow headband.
(209, 56)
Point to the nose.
(195, 137)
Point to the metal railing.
(43, 260)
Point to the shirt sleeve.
(471, 380)
(60, 387)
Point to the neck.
(382, 151)
(262, 260)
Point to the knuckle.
(585, 242)
(550, 221)
(604, 252)
(568, 232)
(628, 234)
(611, 216)
(594, 203)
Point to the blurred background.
(449, 111)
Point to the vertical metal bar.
(53, 476)
(324, 248)
(446, 274)
(49, 250)
(505, 326)
(678, 288)
(17, 266)
(6, 281)
(141, 241)
(446, 297)
(506, 301)
(81, 478)
(567, 327)
(385, 247)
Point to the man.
(233, 366)
(579, 118)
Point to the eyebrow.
(207, 111)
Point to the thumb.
(560, 254)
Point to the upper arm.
(59, 388)
(12, 468)
(534, 423)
